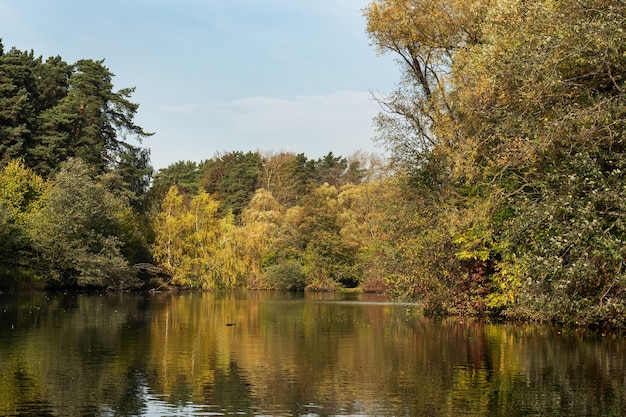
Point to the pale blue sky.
(223, 75)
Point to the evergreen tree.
(183, 174)
(18, 96)
(90, 122)
(233, 178)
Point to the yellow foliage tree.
(21, 190)
(197, 247)
(261, 221)
(168, 247)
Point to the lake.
(282, 354)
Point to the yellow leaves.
(497, 105)
(204, 211)
(193, 244)
(168, 246)
(22, 192)
(509, 278)
(362, 210)
(262, 208)
(425, 25)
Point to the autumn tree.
(544, 98)
(261, 222)
(290, 177)
(283, 261)
(195, 245)
(365, 208)
(285, 175)
(424, 35)
(22, 195)
(168, 246)
(427, 37)
(508, 125)
(329, 260)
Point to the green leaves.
(77, 232)
(90, 121)
(51, 111)
(67, 124)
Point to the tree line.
(503, 193)
(72, 186)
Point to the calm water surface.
(276, 354)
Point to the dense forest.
(503, 193)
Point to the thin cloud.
(233, 75)
(272, 114)
(178, 109)
(339, 122)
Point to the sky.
(214, 76)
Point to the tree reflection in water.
(290, 354)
